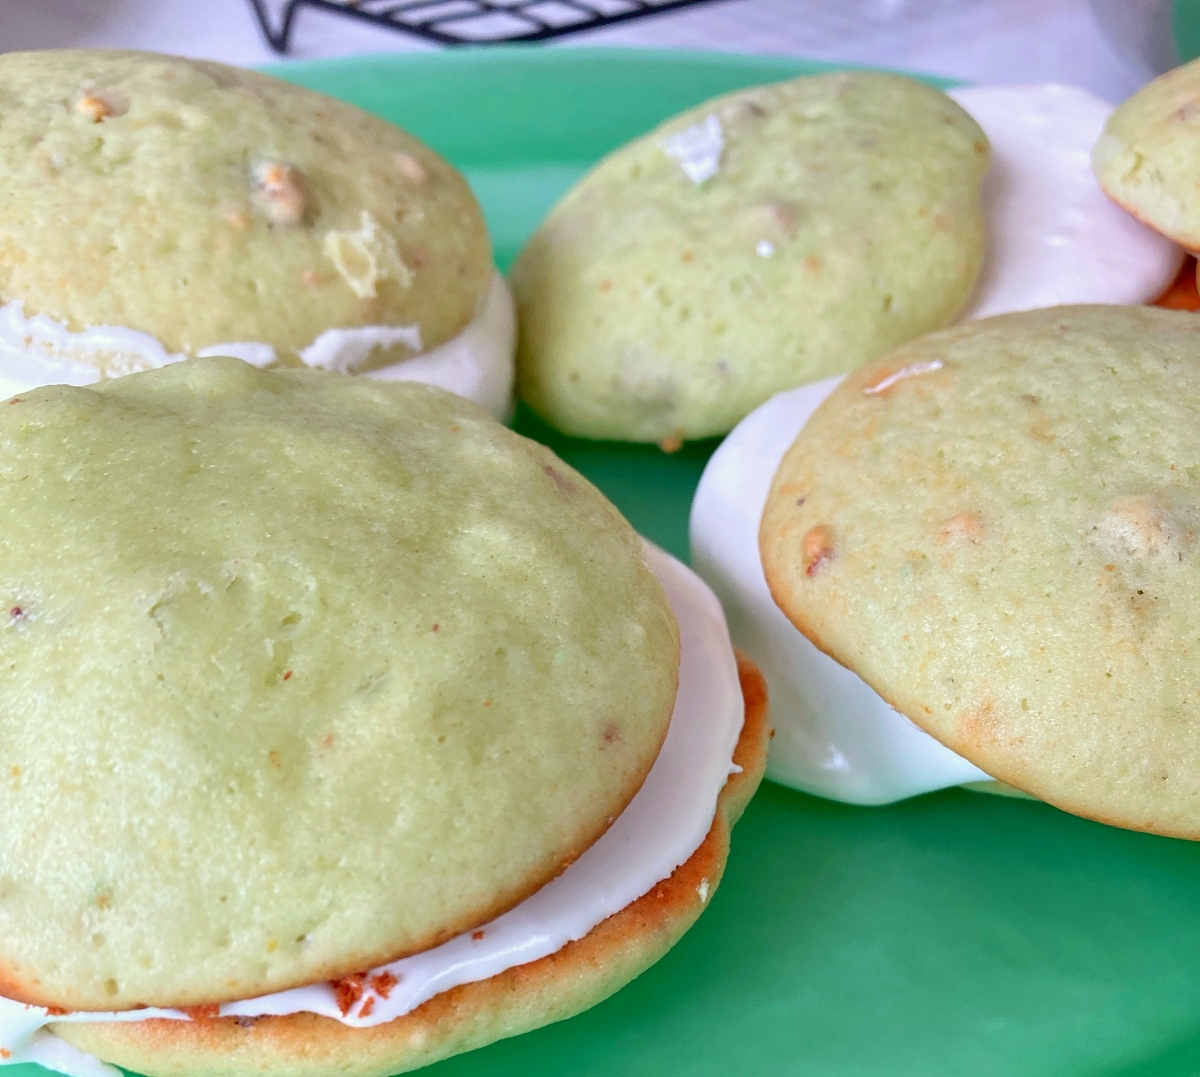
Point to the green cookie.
(301, 674)
(204, 205)
(996, 528)
(1147, 158)
(842, 216)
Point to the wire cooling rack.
(466, 22)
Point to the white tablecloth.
(977, 40)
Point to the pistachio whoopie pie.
(154, 208)
(518, 999)
(290, 646)
(306, 675)
(995, 527)
(758, 241)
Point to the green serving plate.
(957, 933)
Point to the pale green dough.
(300, 673)
(132, 193)
(844, 217)
(1148, 156)
(996, 528)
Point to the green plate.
(955, 934)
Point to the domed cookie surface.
(995, 527)
(302, 673)
(1147, 157)
(824, 220)
(202, 205)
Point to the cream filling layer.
(660, 829)
(1053, 236)
(834, 736)
(477, 363)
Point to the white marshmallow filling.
(477, 363)
(834, 736)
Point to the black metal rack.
(467, 22)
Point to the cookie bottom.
(472, 1015)
(999, 789)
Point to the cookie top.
(1148, 156)
(995, 527)
(763, 239)
(303, 673)
(202, 205)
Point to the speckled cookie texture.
(522, 998)
(995, 526)
(301, 673)
(1148, 157)
(825, 220)
(203, 204)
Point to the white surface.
(975, 40)
(661, 828)
(344, 350)
(1053, 236)
(697, 149)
